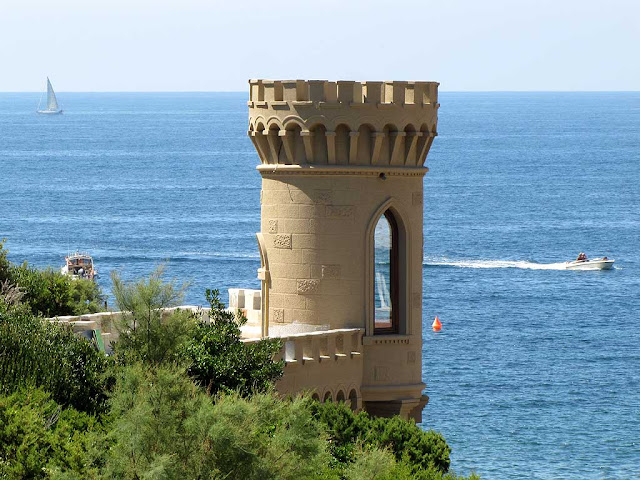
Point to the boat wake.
(522, 264)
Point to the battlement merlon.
(318, 122)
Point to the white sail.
(52, 102)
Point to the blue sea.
(536, 372)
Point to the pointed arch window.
(386, 275)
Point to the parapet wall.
(318, 122)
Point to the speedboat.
(595, 264)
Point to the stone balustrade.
(328, 364)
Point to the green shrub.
(36, 352)
(166, 427)
(38, 436)
(422, 450)
(220, 362)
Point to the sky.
(211, 45)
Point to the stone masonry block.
(284, 285)
(277, 315)
(340, 287)
(308, 241)
(284, 255)
(273, 226)
(285, 211)
(307, 286)
(340, 211)
(322, 196)
(311, 211)
(344, 225)
(416, 199)
(382, 373)
(282, 241)
(296, 225)
(292, 270)
(303, 316)
(302, 197)
(287, 301)
(330, 271)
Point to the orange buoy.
(436, 325)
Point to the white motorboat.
(52, 102)
(79, 265)
(595, 264)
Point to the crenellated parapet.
(317, 122)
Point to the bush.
(220, 362)
(36, 352)
(165, 427)
(421, 450)
(38, 436)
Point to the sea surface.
(536, 372)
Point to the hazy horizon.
(440, 89)
(216, 46)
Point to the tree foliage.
(38, 436)
(36, 352)
(219, 361)
(146, 332)
(165, 427)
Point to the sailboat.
(52, 102)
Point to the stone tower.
(342, 167)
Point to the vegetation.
(180, 399)
(218, 361)
(39, 437)
(50, 293)
(37, 353)
(349, 432)
(144, 335)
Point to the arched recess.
(340, 396)
(390, 134)
(424, 144)
(294, 146)
(353, 399)
(262, 143)
(365, 144)
(276, 150)
(319, 142)
(315, 397)
(342, 144)
(391, 208)
(410, 145)
(327, 396)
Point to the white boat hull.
(49, 112)
(596, 264)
